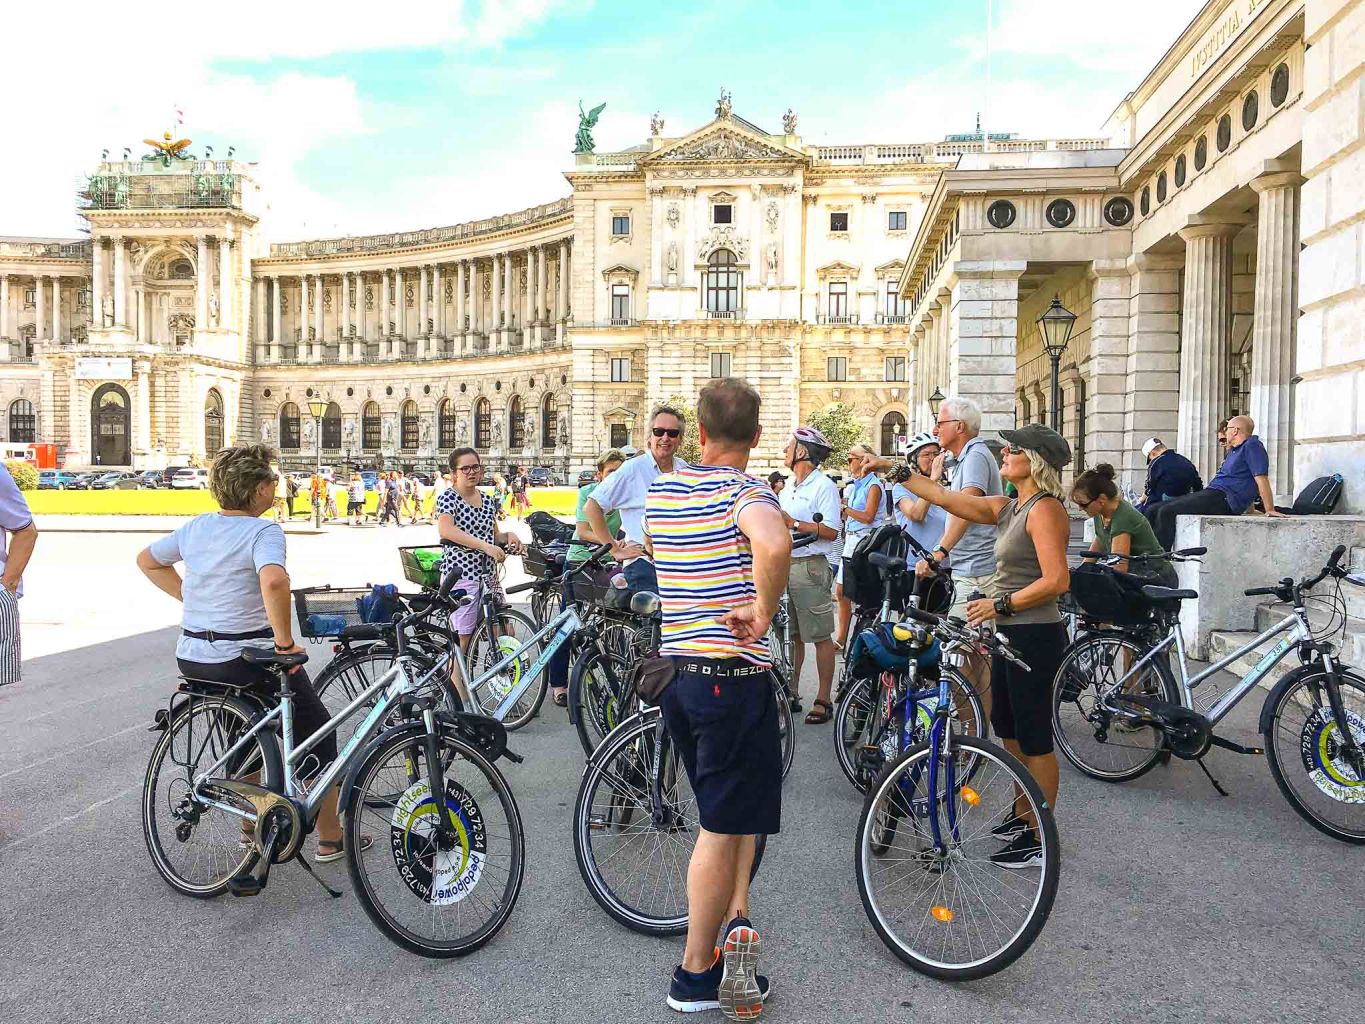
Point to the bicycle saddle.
(882, 561)
(1167, 593)
(260, 656)
(644, 603)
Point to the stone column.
(201, 284)
(1152, 397)
(1205, 341)
(275, 320)
(98, 287)
(56, 308)
(476, 321)
(563, 310)
(692, 220)
(1276, 317)
(543, 285)
(461, 269)
(423, 301)
(142, 410)
(532, 315)
(495, 327)
(656, 235)
(41, 323)
(225, 318)
(319, 324)
(4, 305)
(508, 292)
(438, 325)
(258, 320)
(1106, 371)
(982, 333)
(120, 277)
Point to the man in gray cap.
(1169, 475)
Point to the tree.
(25, 476)
(842, 427)
(690, 449)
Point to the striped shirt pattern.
(704, 563)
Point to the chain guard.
(1187, 733)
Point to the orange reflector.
(942, 914)
(971, 796)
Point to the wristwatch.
(1003, 605)
(943, 549)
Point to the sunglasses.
(1013, 449)
(667, 431)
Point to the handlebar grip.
(928, 618)
(1261, 591)
(1191, 552)
(450, 581)
(1335, 560)
(522, 586)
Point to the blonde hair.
(1046, 477)
(614, 455)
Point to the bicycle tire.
(270, 775)
(1294, 757)
(410, 745)
(481, 656)
(634, 734)
(866, 858)
(1075, 682)
(597, 712)
(786, 723)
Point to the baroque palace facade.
(1208, 242)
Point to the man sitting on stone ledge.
(1243, 477)
(1169, 475)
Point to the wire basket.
(326, 611)
(422, 565)
(544, 562)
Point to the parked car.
(542, 476)
(116, 479)
(79, 481)
(150, 479)
(586, 476)
(168, 474)
(54, 479)
(190, 479)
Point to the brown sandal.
(821, 711)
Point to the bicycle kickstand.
(303, 863)
(1205, 768)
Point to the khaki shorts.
(965, 585)
(811, 599)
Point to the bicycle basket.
(1107, 596)
(544, 562)
(326, 611)
(421, 565)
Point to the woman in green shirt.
(1120, 529)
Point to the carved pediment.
(620, 270)
(887, 269)
(722, 237)
(719, 142)
(837, 269)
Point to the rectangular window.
(895, 368)
(838, 299)
(30, 297)
(620, 437)
(620, 223)
(620, 304)
(83, 299)
(838, 222)
(895, 220)
(620, 370)
(895, 302)
(720, 364)
(722, 213)
(836, 368)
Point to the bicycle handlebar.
(958, 630)
(1288, 590)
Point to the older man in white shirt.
(624, 492)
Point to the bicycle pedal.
(248, 885)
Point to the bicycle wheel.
(1307, 757)
(1088, 734)
(543, 606)
(949, 911)
(198, 848)
(597, 693)
(855, 719)
(506, 631)
(350, 674)
(435, 902)
(785, 729)
(632, 858)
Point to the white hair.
(963, 409)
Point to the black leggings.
(310, 714)
(1021, 702)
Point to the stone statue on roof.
(583, 142)
(789, 122)
(656, 124)
(724, 106)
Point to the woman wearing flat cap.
(1030, 574)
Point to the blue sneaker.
(693, 993)
(742, 990)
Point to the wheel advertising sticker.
(1320, 746)
(436, 876)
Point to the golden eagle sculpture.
(165, 150)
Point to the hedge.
(25, 476)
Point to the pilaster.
(1205, 341)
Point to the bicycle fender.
(594, 759)
(1287, 680)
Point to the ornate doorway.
(110, 426)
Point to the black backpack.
(1319, 498)
(862, 583)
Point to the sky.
(367, 117)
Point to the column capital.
(1203, 226)
(1107, 268)
(1147, 262)
(1275, 180)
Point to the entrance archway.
(111, 426)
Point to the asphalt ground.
(1175, 904)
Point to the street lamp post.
(318, 408)
(1055, 325)
(935, 400)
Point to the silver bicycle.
(1118, 709)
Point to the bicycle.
(924, 872)
(1312, 721)
(237, 797)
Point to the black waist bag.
(653, 675)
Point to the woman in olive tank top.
(1030, 574)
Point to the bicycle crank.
(1188, 733)
(267, 804)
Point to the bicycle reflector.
(970, 796)
(942, 914)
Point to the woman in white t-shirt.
(865, 510)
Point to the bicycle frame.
(1295, 623)
(562, 625)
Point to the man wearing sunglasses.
(624, 492)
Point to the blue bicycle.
(931, 825)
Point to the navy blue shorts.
(727, 735)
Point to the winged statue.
(583, 140)
(166, 150)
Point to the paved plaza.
(1175, 904)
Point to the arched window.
(289, 426)
(445, 420)
(722, 282)
(22, 426)
(213, 423)
(331, 427)
(893, 427)
(408, 426)
(483, 423)
(516, 424)
(369, 427)
(549, 422)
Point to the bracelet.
(284, 647)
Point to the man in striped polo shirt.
(722, 553)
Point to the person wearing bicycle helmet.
(810, 585)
